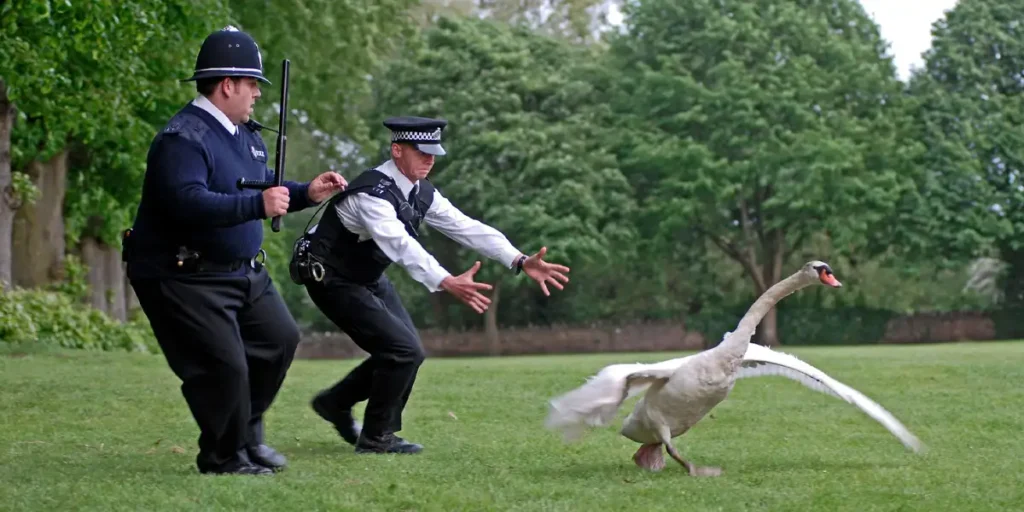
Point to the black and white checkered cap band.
(434, 136)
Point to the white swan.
(681, 391)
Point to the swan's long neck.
(738, 340)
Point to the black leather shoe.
(387, 443)
(238, 466)
(343, 422)
(267, 457)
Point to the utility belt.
(190, 261)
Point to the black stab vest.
(343, 255)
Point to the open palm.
(544, 272)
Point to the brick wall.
(918, 328)
(536, 340)
(940, 327)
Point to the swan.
(681, 391)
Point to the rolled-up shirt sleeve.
(378, 216)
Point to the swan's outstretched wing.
(596, 402)
(761, 361)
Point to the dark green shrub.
(59, 319)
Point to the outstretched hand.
(544, 272)
(465, 289)
(326, 184)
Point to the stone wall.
(918, 328)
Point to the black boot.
(343, 422)
(387, 443)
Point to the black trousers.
(374, 317)
(230, 339)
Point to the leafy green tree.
(755, 125)
(85, 82)
(576, 20)
(971, 110)
(580, 21)
(523, 154)
(334, 46)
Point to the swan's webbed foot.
(694, 470)
(703, 470)
(649, 457)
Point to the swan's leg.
(649, 457)
(694, 470)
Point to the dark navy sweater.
(190, 195)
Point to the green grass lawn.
(111, 432)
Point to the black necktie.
(412, 194)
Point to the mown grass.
(102, 431)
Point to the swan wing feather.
(761, 361)
(596, 402)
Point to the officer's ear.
(232, 85)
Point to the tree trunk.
(491, 322)
(38, 253)
(768, 333)
(437, 306)
(8, 204)
(93, 258)
(118, 308)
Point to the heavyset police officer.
(363, 230)
(194, 262)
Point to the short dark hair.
(206, 86)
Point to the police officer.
(363, 230)
(195, 262)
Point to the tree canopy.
(970, 115)
(761, 124)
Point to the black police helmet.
(228, 52)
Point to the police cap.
(422, 132)
(228, 52)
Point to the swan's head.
(821, 272)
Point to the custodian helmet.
(229, 52)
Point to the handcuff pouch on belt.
(304, 267)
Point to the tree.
(579, 21)
(970, 115)
(576, 20)
(334, 46)
(523, 151)
(756, 125)
(83, 83)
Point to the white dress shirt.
(374, 217)
(204, 103)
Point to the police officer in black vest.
(195, 262)
(363, 230)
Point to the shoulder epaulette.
(383, 184)
(188, 126)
